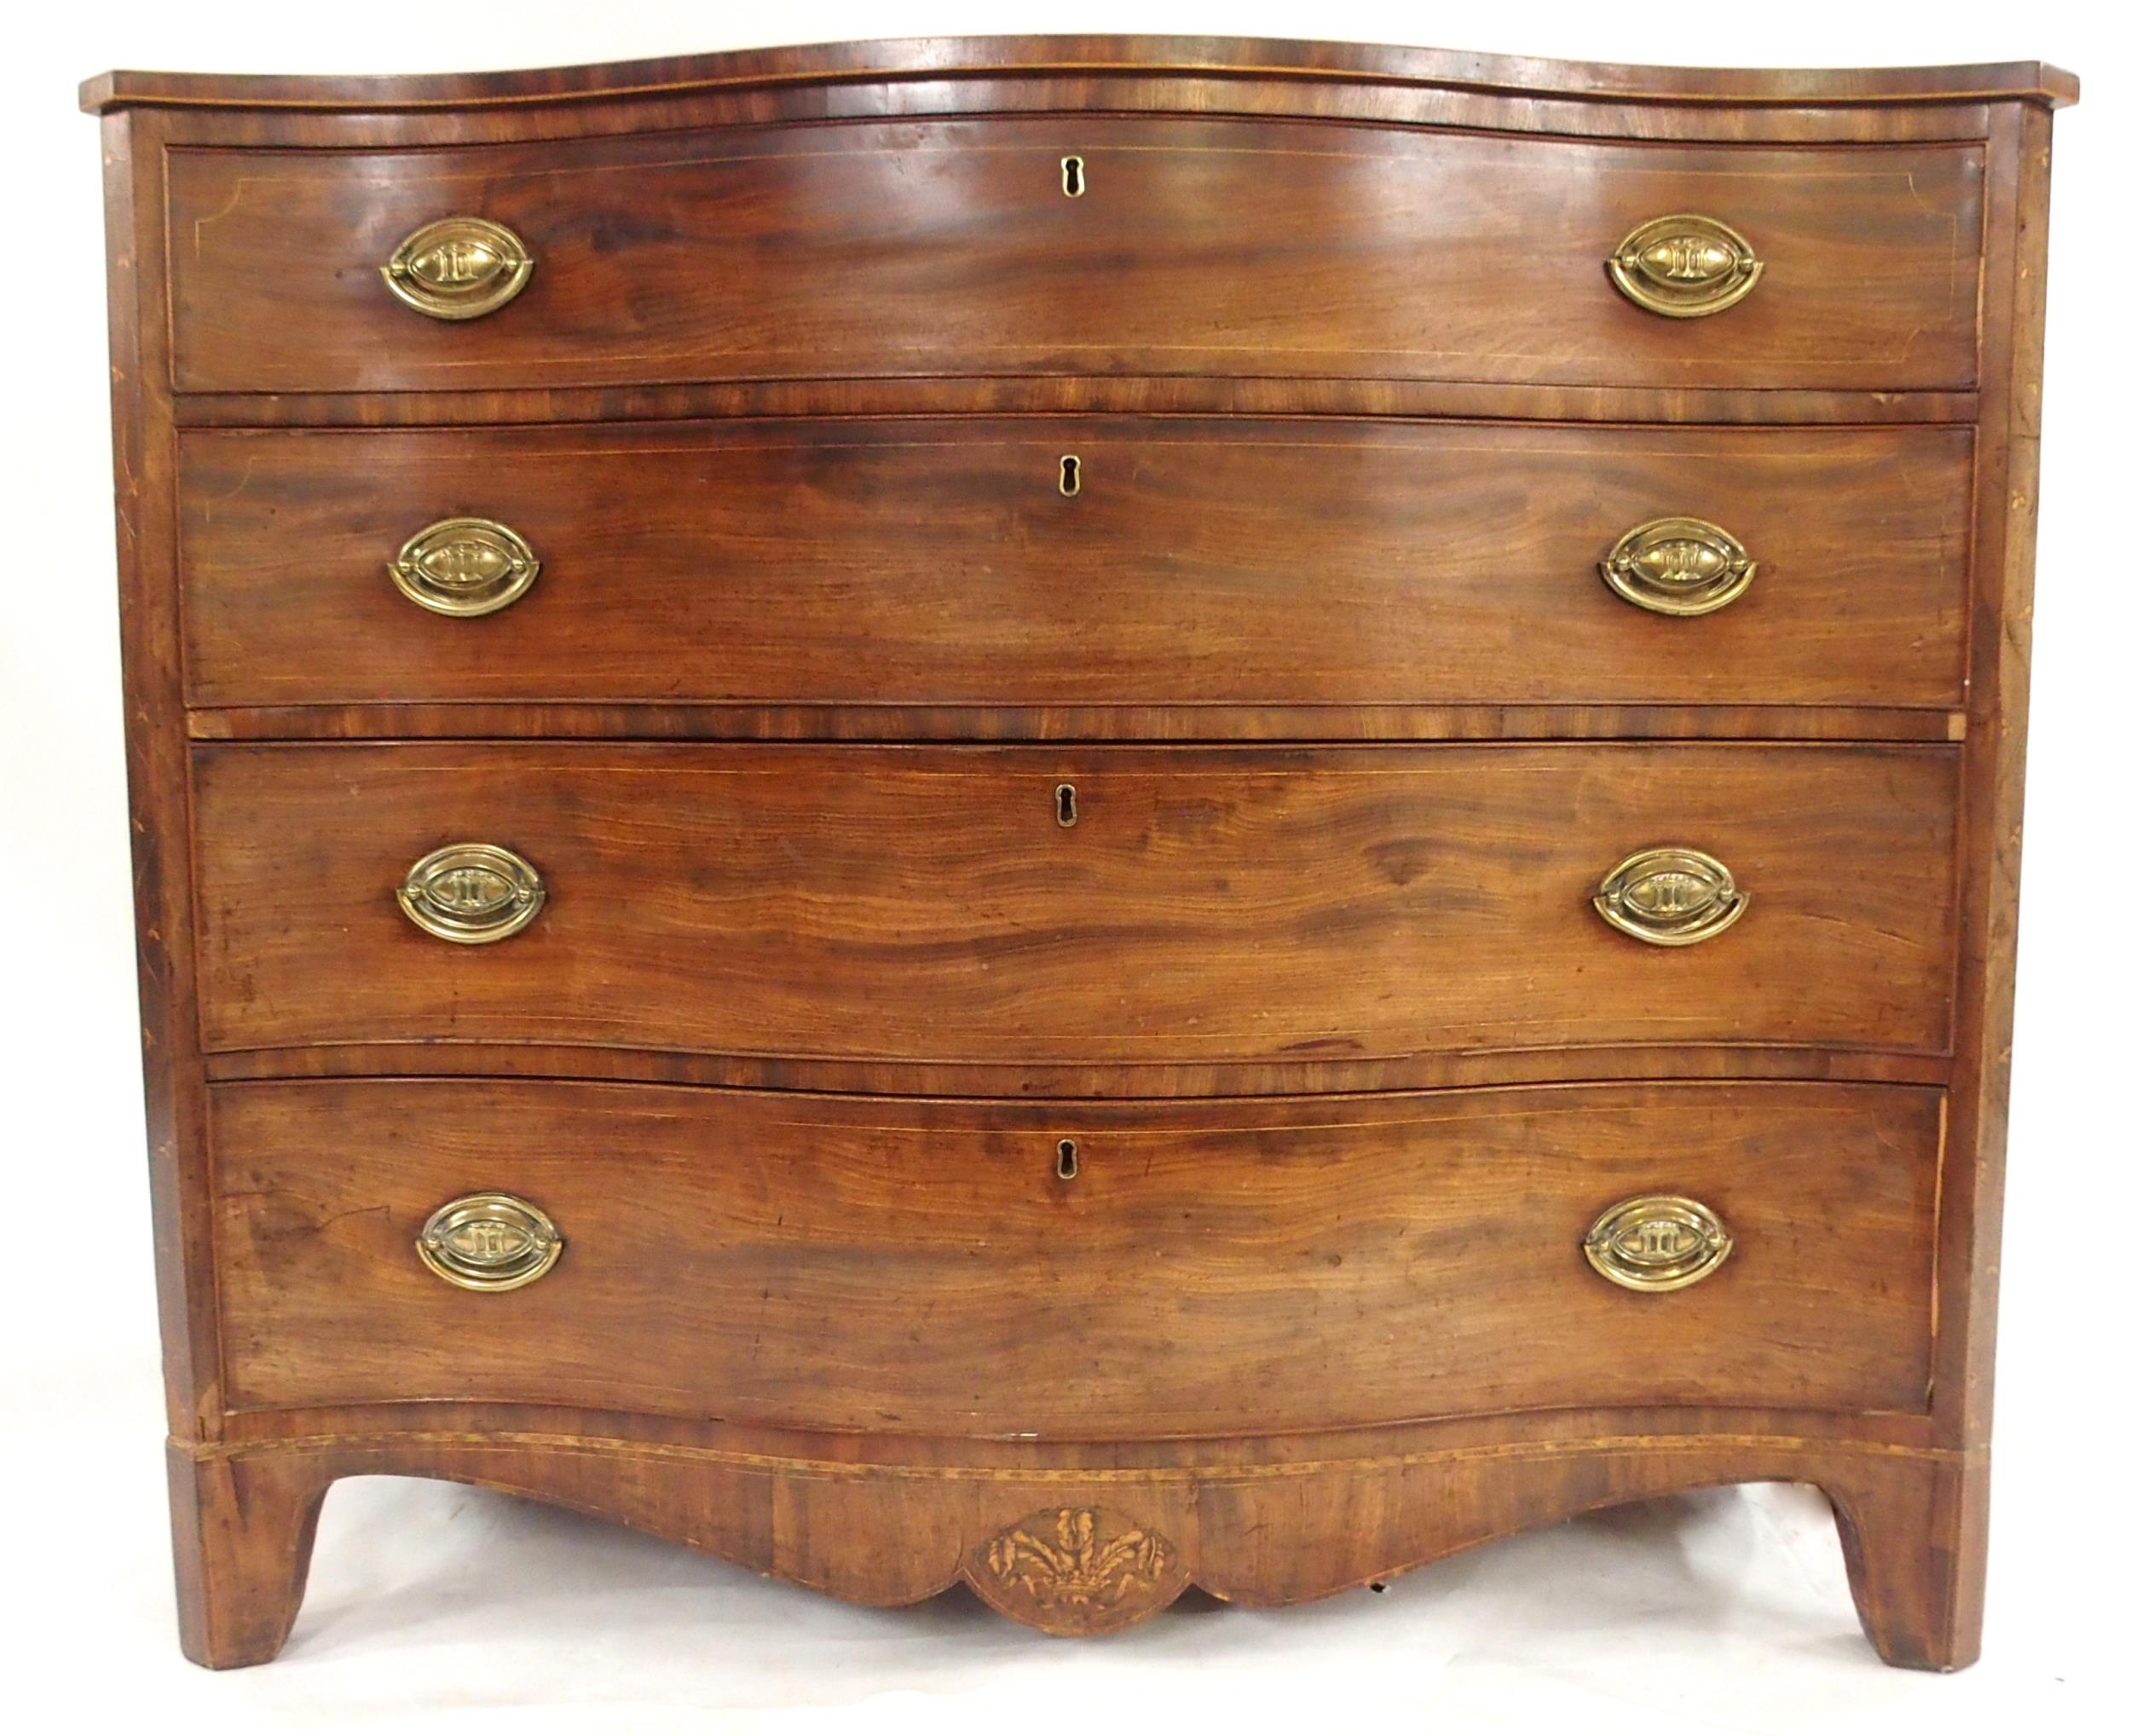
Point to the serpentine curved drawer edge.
(1079, 814)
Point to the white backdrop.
(438, 1608)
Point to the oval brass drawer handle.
(464, 566)
(1679, 566)
(1657, 1242)
(1671, 896)
(490, 1242)
(472, 893)
(1684, 266)
(458, 268)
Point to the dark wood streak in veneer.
(462, 720)
(1040, 394)
(1088, 1081)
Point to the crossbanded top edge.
(1069, 56)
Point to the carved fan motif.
(1077, 1569)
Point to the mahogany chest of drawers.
(1083, 814)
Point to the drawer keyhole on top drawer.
(1068, 1160)
(1073, 174)
(1068, 806)
(1069, 476)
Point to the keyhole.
(1068, 1160)
(1069, 476)
(1068, 806)
(1073, 172)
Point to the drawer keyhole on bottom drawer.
(1072, 173)
(1068, 806)
(1068, 1160)
(1069, 476)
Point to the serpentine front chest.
(1083, 814)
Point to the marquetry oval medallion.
(1076, 1570)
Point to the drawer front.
(877, 1265)
(1204, 905)
(936, 561)
(951, 247)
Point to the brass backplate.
(1672, 896)
(458, 267)
(490, 1242)
(1678, 566)
(464, 566)
(1684, 266)
(471, 894)
(1657, 1242)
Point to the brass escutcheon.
(471, 894)
(1657, 1242)
(490, 1242)
(1679, 566)
(1684, 266)
(1073, 175)
(1672, 896)
(458, 268)
(464, 566)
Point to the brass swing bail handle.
(1678, 566)
(471, 894)
(1672, 896)
(1657, 1242)
(490, 1242)
(1684, 266)
(458, 267)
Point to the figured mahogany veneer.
(1054, 1034)
(1207, 905)
(919, 1266)
(1307, 563)
(948, 247)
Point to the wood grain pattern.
(1050, 395)
(158, 793)
(918, 1266)
(1435, 1070)
(241, 1532)
(1324, 252)
(1940, 1620)
(649, 721)
(936, 562)
(1209, 905)
(1105, 88)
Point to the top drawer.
(955, 247)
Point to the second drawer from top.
(1076, 561)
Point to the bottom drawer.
(1206, 1268)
